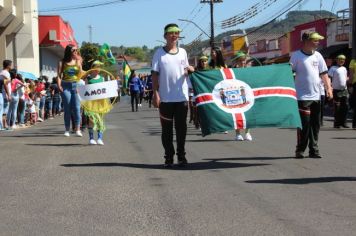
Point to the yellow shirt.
(353, 68)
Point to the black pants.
(173, 112)
(134, 98)
(141, 97)
(322, 108)
(340, 107)
(309, 133)
(149, 97)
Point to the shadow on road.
(248, 158)
(192, 166)
(344, 138)
(56, 144)
(302, 180)
(33, 136)
(209, 140)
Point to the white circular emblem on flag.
(233, 96)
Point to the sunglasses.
(74, 49)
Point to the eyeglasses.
(74, 49)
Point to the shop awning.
(27, 75)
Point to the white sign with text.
(97, 91)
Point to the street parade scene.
(180, 117)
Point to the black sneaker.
(182, 161)
(299, 155)
(168, 163)
(315, 155)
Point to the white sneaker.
(239, 137)
(66, 134)
(248, 137)
(78, 133)
(100, 142)
(92, 142)
(39, 119)
(14, 127)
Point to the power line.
(248, 14)
(84, 6)
(264, 25)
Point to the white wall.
(49, 63)
(27, 42)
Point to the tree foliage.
(89, 53)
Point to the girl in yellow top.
(69, 73)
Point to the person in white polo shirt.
(170, 93)
(310, 68)
(338, 75)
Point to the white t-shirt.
(339, 77)
(173, 83)
(308, 69)
(30, 106)
(5, 75)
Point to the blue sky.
(141, 22)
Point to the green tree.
(89, 53)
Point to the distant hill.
(292, 19)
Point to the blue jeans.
(1, 110)
(12, 113)
(71, 103)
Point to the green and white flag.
(243, 98)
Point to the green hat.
(205, 58)
(96, 63)
(238, 55)
(312, 35)
(341, 56)
(172, 29)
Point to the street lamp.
(196, 26)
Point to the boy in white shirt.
(338, 74)
(309, 66)
(170, 93)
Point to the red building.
(319, 26)
(54, 35)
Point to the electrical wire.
(83, 6)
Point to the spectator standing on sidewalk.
(5, 92)
(310, 67)
(339, 77)
(16, 85)
(170, 93)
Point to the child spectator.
(31, 115)
(49, 101)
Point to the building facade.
(54, 35)
(19, 34)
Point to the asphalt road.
(53, 185)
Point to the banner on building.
(242, 98)
(98, 91)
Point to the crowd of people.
(315, 83)
(24, 102)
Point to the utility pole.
(211, 2)
(90, 27)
